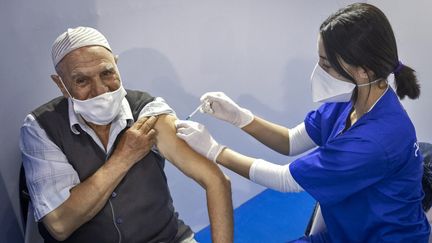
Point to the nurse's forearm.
(274, 176)
(236, 162)
(272, 135)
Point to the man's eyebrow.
(112, 69)
(109, 67)
(77, 75)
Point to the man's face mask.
(102, 109)
(326, 88)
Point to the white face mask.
(326, 88)
(102, 109)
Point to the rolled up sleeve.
(157, 107)
(49, 175)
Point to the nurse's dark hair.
(362, 36)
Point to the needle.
(194, 112)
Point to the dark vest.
(141, 203)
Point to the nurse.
(365, 170)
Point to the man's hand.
(136, 142)
(89, 197)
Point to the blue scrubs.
(368, 178)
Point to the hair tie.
(398, 68)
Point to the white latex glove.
(222, 107)
(198, 138)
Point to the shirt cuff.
(52, 199)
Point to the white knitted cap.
(75, 38)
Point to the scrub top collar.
(342, 121)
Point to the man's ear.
(60, 85)
(116, 57)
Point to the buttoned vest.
(140, 208)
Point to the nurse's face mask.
(326, 88)
(100, 110)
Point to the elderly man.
(94, 157)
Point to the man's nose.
(99, 87)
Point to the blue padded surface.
(269, 217)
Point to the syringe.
(194, 112)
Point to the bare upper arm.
(181, 155)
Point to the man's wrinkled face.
(89, 71)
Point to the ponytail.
(406, 82)
(361, 35)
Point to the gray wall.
(260, 53)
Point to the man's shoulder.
(56, 104)
(138, 95)
(137, 101)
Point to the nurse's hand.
(222, 107)
(198, 138)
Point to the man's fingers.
(151, 134)
(147, 125)
(140, 122)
